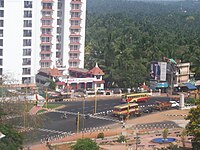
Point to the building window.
(46, 31)
(1, 23)
(73, 56)
(1, 52)
(74, 47)
(27, 33)
(59, 14)
(73, 64)
(1, 62)
(1, 71)
(45, 64)
(75, 15)
(59, 5)
(27, 14)
(46, 39)
(76, 6)
(45, 48)
(75, 23)
(26, 61)
(26, 80)
(74, 39)
(59, 21)
(1, 13)
(1, 3)
(59, 30)
(27, 52)
(1, 33)
(27, 4)
(27, 23)
(26, 71)
(1, 42)
(27, 42)
(46, 22)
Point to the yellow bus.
(126, 109)
(135, 97)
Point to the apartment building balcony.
(46, 26)
(75, 2)
(47, 1)
(75, 18)
(75, 35)
(74, 60)
(46, 43)
(46, 35)
(46, 18)
(74, 43)
(74, 51)
(45, 60)
(47, 9)
(76, 10)
(75, 27)
(45, 52)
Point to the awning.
(190, 86)
(162, 85)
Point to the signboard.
(163, 70)
(158, 71)
(155, 71)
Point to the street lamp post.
(83, 116)
(25, 102)
(95, 102)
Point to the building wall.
(21, 66)
(184, 73)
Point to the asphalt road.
(54, 124)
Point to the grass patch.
(51, 106)
(41, 111)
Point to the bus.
(124, 110)
(135, 97)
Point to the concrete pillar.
(181, 103)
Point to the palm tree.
(183, 136)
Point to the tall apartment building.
(38, 34)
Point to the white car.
(174, 103)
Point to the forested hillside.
(125, 36)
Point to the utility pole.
(25, 102)
(137, 141)
(128, 111)
(78, 122)
(95, 102)
(46, 97)
(83, 117)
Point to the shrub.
(100, 135)
(121, 139)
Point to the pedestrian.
(123, 125)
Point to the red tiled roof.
(102, 81)
(53, 72)
(96, 71)
(60, 83)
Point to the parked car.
(148, 110)
(175, 104)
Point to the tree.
(183, 136)
(165, 133)
(85, 144)
(13, 140)
(193, 127)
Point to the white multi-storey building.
(38, 34)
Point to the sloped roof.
(53, 72)
(96, 71)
